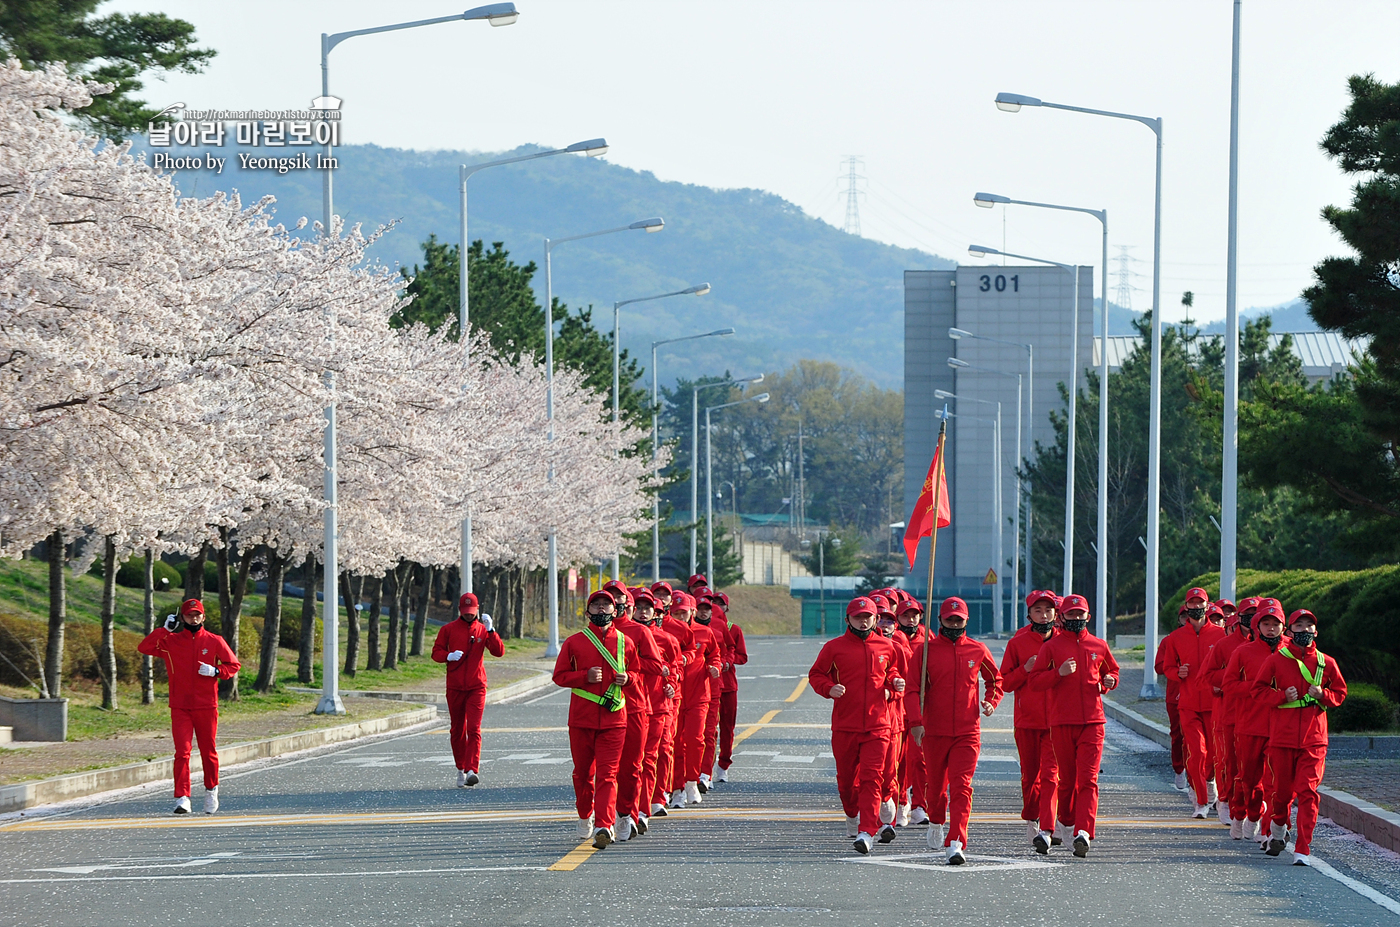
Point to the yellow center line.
(801, 685)
(574, 858)
(752, 729)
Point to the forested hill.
(792, 285)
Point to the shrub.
(289, 632)
(132, 574)
(1366, 709)
(211, 574)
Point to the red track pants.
(860, 763)
(651, 760)
(1227, 766)
(1039, 776)
(889, 784)
(911, 773)
(1200, 765)
(707, 759)
(629, 769)
(464, 710)
(951, 762)
(665, 760)
(728, 715)
(690, 743)
(597, 753)
(186, 724)
(1247, 799)
(1178, 738)
(1298, 773)
(1078, 755)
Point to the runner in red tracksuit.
(709, 613)
(913, 783)
(1076, 668)
(1247, 802)
(601, 669)
(729, 692)
(663, 694)
(462, 645)
(857, 672)
(195, 660)
(1190, 645)
(1222, 714)
(702, 666)
(671, 762)
(1039, 779)
(1301, 683)
(891, 795)
(632, 806)
(1165, 666)
(949, 728)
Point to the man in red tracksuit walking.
(1301, 683)
(912, 782)
(1166, 658)
(1248, 800)
(1076, 669)
(195, 660)
(1039, 779)
(1189, 647)
(663, 694)
(462, 645)
(856, 670)
(729, 691)
(709, 613)
(632, 806)
(601, 669)
(702, 666)
(892, 796)
(949, 727)
(1223, 710)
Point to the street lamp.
(593, 147)
(497, 14)
(997, 554)
(695, 454)
(709, 490)
(1011, 103)
(957, 334)
(1073, 271)
(996, 474)
(987, 200)
(648, 225)
(656, 444)
(697, 290)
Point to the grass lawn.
(420, 674)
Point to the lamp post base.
(1149, 690)
(330, 705)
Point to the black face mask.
(1075, 625)
(703, 619)
(909, 631)
(192, 628)
(1271, 641)
(860, 634)
(953, 634)
(1304, 639)
(1043, 628)
(600, 621)
(1196, 614)
(468, 618)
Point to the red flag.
(921, 519)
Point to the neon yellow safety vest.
(1311, 679)
(612, 698)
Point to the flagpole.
(932, 551)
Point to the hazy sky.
(775, 95)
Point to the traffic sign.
(990, 579)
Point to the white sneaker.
(722, 775)
(1236, 829)
(1278, 838)
(602, 836)
(1179, 782)
(211, 800)
(461, 778)
(472, 778)
(1041, 842)
(1212, 794)
(703, 783)
(692, 793)
(623, 828)
(1081, 844)
(954, 852)
(643, 825)
(887, 834)
(1032, 828)
(933, 837)
(1250, 830)
(659, 810)
(918, 816)
(1302, 859)
(182, 805)
(678, 798)
(852, 827)
(1061, 833)
(863, 843)
(585, 827)
(887, 811)
(901, 816)
(1200, 813)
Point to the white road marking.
(936, 862)
(522, 756)
(551, 761)
(371, 762)
(759, 753)
(784, 758)
(279, 875)
(185, 862)
(541, 698)
(995, 758)
(1361, 888)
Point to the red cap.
(1251, 602)
(643, 597)
(467, 604)
(661, 588)
(682, 600)
(1269, 609)
(1227, 606)
(909, 604)
(860, 605)
(1073, 603)
(882, 605)
(192, 607)
(602, 595)
(1301, 613)
(1214, 610)
(1041, 595)
(723, 598)
(952, 606)
(1197, 593)
(619, 590)
(697, 579)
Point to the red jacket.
(473, 640)
(951, 704)
(1031, 704)
(1190, 649)
(719, 630)
(182, 653)
(656, 686)
(696, 689)
(1297, 728)
(649, 661)
(1251, 715)
(738, 656)
(904, 665)
(1166, 657)
(576, 657)
(1216, 661)
(867, 668)
(1078, 697)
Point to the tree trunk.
(306, 654)
(518, 610)
(376, 605)
(231, 592)
(148, 611)
(405, 600)
(194, 573)
(58, 614)
(272, 625)
(420, 620)
(352, 626)
(107, 656)
(391, 647)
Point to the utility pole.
(853, 194)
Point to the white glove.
(486, 623)
(172, 622)
(454, 656)
(206, 669)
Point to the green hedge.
(1366, 709)
(132, 574)
(1358, 614)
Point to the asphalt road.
(379, 834)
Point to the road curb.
(493, 696)
(23, 795)
(1377, 825)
